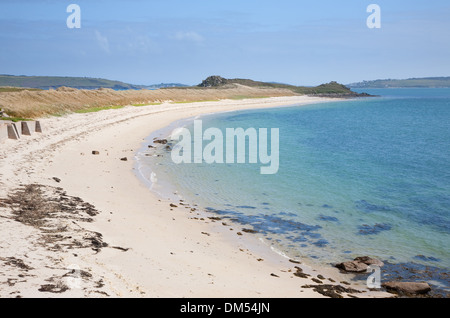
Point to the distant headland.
(424, 82)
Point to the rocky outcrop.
(213, 81)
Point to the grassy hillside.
(424, 82)
(332, 89)
(46, 82)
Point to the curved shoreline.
(158, 250)
(252, 241)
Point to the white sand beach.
(139, 246)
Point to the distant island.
(164, 85)
(425, 82)
(54, 82)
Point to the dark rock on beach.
(249, 231)
(274, 275)
(53, 288)
(359, 264)
(160, 141)
(332, 291)
(412, 288)
(299, 273)
(353, 267)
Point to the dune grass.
(37, 104)
(15, 119)
(97, 109)
(145, 104)
(196, 101)
(240, 97)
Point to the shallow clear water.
(359, 177)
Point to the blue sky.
(290, 41)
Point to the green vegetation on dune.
(9, 89)
(145, 104)
(97, 109)
(15, 119)
(196, 101)
(240, 97)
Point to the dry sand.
(101, 232)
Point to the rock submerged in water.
(362, 263)
(359, 264)
(366, 229)
(369, 261)
(412, 288)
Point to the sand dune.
(33, 104)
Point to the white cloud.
(102, 42)
(142, 44)
(188, 36)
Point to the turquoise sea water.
(360, 177)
